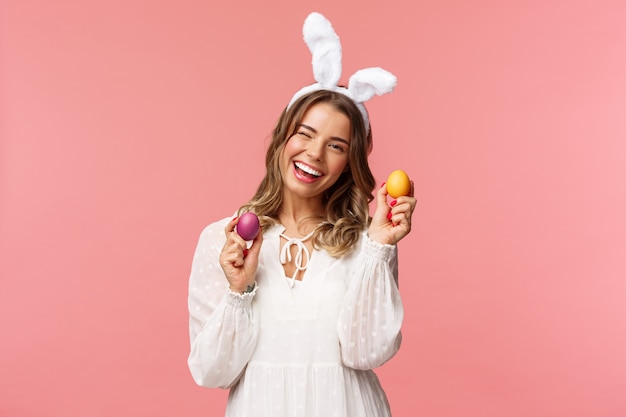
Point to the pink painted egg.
(248, 226)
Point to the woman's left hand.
(392, 222)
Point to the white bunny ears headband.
(325, 48)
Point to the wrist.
(245, 290)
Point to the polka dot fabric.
(306, 351)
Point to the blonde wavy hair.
(346, 201)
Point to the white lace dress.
(300, 350)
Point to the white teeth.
(308, 169)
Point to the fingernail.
(245, 252)
(383, 185)
(393, 203)
(235, 218)
(389, 216)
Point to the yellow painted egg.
(398, 184)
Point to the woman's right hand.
(238, 262)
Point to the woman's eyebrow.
(308, 127)
(338, 139)
(332, 137)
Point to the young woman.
(295, 323)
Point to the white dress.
(306, 350)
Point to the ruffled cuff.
(377, 250)
(240, 300)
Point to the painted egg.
(248, 226)
(398, 184)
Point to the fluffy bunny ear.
(325, 48)
(366, 83)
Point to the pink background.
(127, 126)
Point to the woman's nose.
(315, 150)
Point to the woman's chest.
(319, 291)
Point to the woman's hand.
(392, 222)
(238, 262)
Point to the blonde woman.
(295, 323)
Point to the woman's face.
(317, 154)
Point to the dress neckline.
(301, 254)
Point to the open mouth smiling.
(307, 171)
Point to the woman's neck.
(300, 216)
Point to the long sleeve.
(370, 320)
(222, 327)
